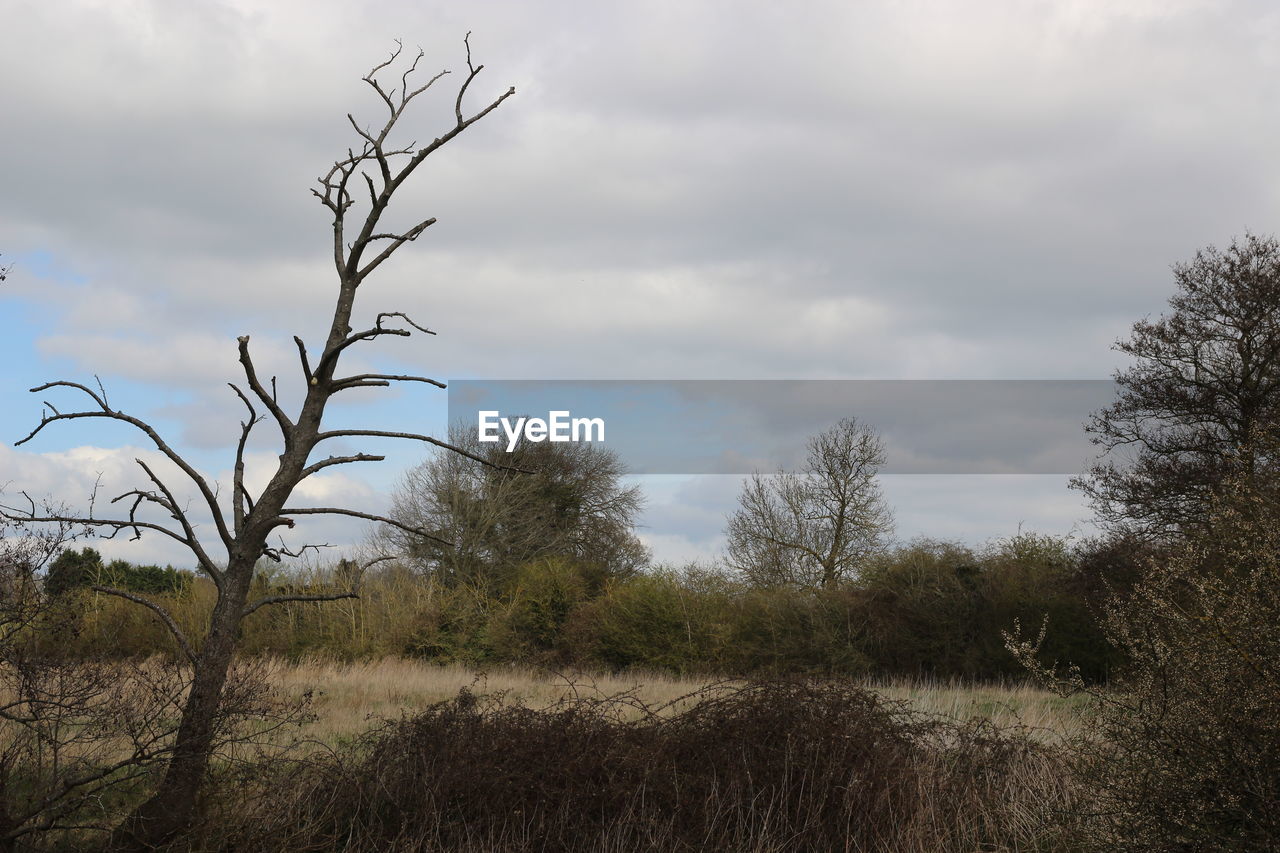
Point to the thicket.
(922, 609)
(80, 569)
(81, 737)
(769, 766)
(1185, 753)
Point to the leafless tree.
(373, 170)
(813, 527)
(574, 507)
(1201, 399)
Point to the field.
(648, 761)
(348, 697)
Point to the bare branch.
(375, 433)
(268, 400)
(418, 91)
(180, 516)
(106, 411)
(397, 240)
(331, 355)
(116, 525)
(380, 380)
(339, 460)
(241, 502)
(277, 554)
(160, 612)
(366, 135)
(328, 510)
(352, 270)
(370, 77)
(404, 78)
(382, 315)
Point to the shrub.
(531, 624)
(74, 569)
(651, 621)
(1187, 748)
(772, 765)
(785, 630)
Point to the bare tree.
(375, 168)
(574, 507)
(1200, 400)
(813, 527)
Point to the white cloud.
(85, 479)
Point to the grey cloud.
(747, 190)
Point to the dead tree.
(378, 168)
(75, 733)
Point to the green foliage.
(543, 595)
(80, 569)
(148, 578)
(72, 569)
(940, 609)
(650, 621)
(785, 630)
(926, 608)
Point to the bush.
(766, 766)
(939, 609)
(1187, 748)
(651, 621)
(73, 570)
(543, 596)
(797, 631)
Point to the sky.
(993, 189)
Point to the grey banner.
(741, 426)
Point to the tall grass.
(346, 696)
(762, 766)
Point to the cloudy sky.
(992, 189)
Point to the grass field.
(348, 697)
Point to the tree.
(77, 733)
(1204, 392)
(73, 569)
(813, 527)
(382, 168)
(1184, 753)
(573, 506)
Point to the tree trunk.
(171, 808)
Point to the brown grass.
(761, 766)
(348, 697)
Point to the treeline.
(83, 568)
(925, 608)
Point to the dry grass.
(348, 697)
(766, 766)
(1049, 715)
